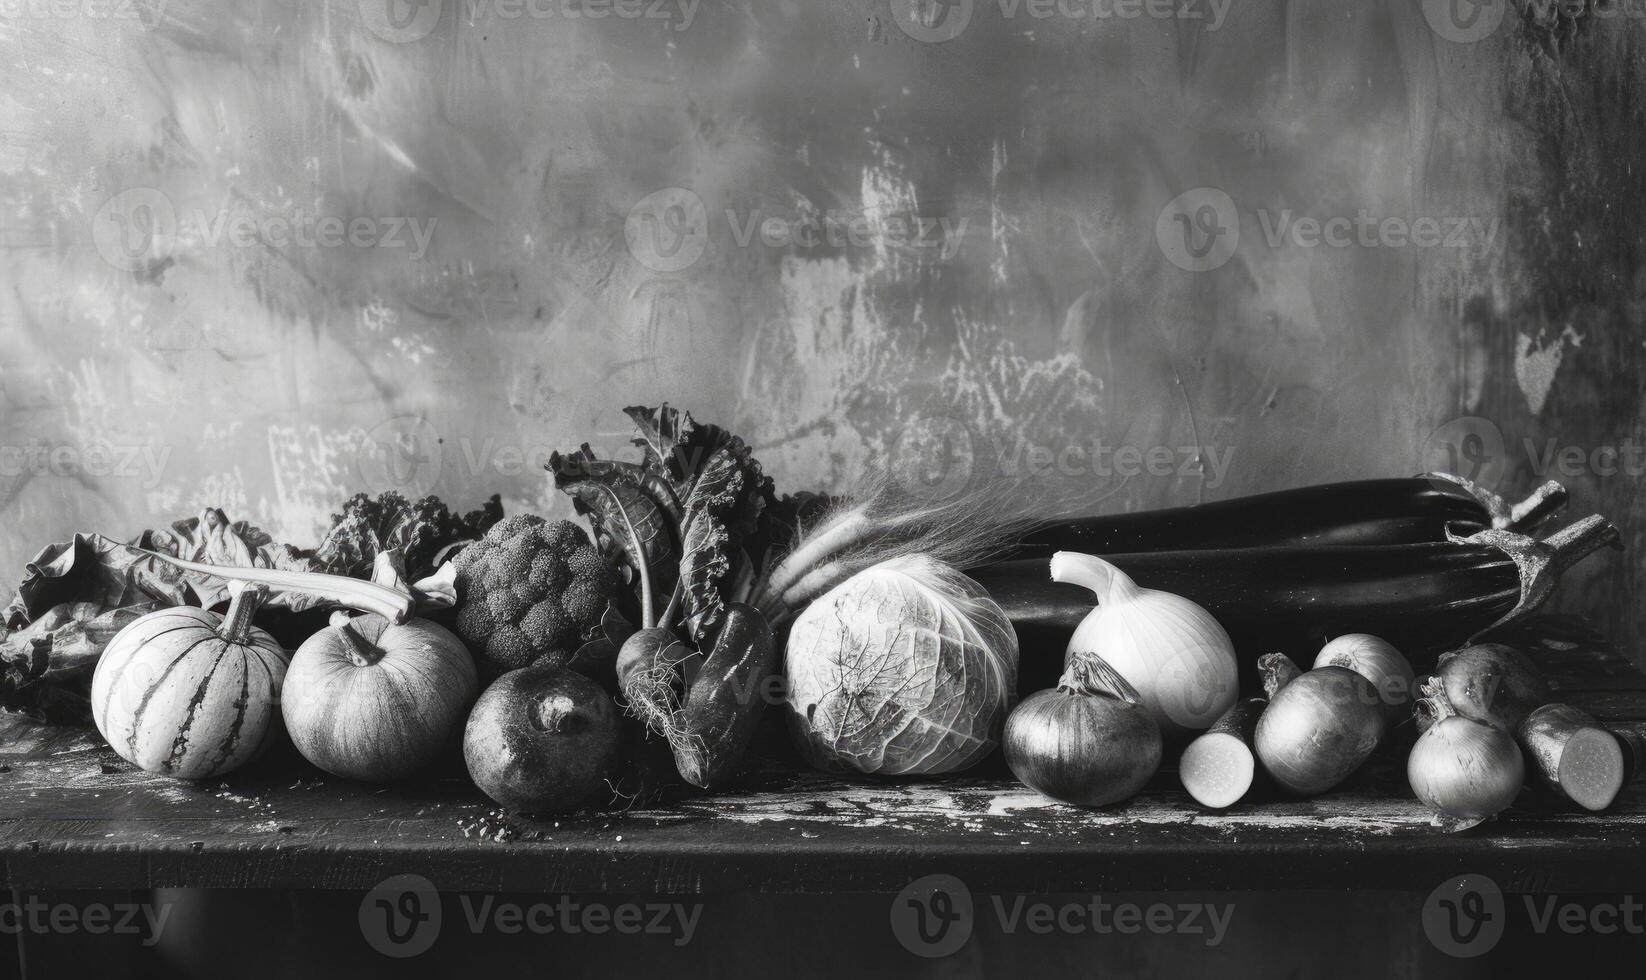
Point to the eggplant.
(1363, 512)
(1423, 597)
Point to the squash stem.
(362, 652)
(243, 605)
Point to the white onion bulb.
(1171, 650)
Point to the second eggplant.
(1413, 510)
(1421, 597)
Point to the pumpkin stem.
(363, 652)
(243, 605)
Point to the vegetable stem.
(1092, 675)
(806, 561)
(637, 553)
(244, 602)
(1276, 671)
(363, 652)
(394, 605)
(1105, 581)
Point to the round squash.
(371, 701)
(186, 693)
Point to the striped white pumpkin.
(179, 693)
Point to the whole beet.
(542, 739)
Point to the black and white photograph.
(822, 488)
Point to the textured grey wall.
(250, 244)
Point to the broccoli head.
(531, 589)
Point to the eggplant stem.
(1524, 517)
(1541, 563)
(1538, 507)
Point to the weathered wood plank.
(72, 814)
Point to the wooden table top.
(74, 815)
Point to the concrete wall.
(249, 245)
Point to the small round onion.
(1465, 769)
(1318, 729)
(1377, 660)
(1080, 745)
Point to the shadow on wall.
(261, 258)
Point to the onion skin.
(1466, 770)
(1491, 683)
(1318, 729)
(1080, 746)
(1173, 652)
(1377, 660)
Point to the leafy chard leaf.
(722, 509)
(700, 482)
(616, 496)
